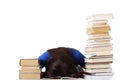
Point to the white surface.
(30, 27)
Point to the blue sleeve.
(78, 57)
(43, 59)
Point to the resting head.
(59, 68)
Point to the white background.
(30, 27)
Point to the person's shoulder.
(44, 55)
(73, 49)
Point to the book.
(99, 53)
(104, 74)
(98, 48)
(98, 35)
(29, 62)
(99, 42)
(100, 17)
(98, 26)
(97, 30)
(103, 70)
(98, 22)
(97, 66)
(101, 56)
(93, 77)
(99, 60)
(91, 41)
(30, 67)
(99, 45)
(29, 76)
(29, 71)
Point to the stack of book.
(99, 46)
(30, 69)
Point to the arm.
(78, 57)
(43, 59)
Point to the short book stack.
(30, 69)
(99, 47)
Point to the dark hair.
(61, 64)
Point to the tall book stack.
(30, 69)
(99, 46)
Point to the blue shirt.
(76, 55)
